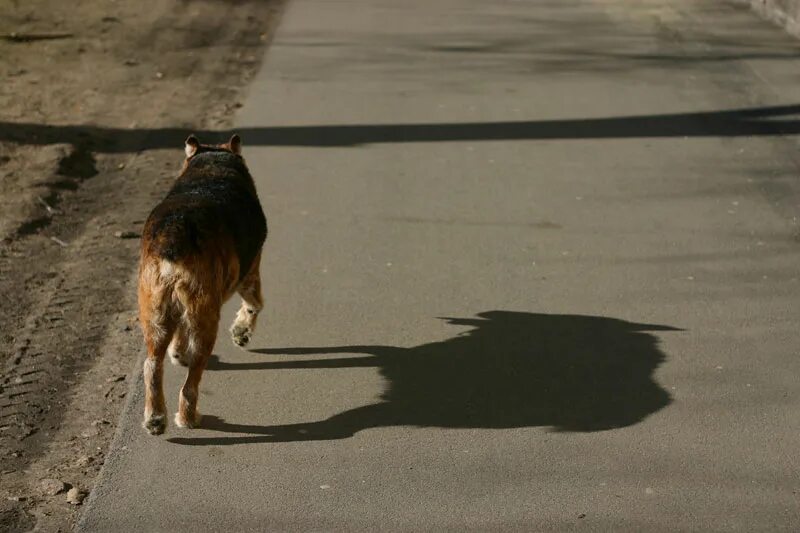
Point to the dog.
(199, 245)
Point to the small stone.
(51, 487)
(85, 460)
(90, 432)
(159, 75)
(75, 496)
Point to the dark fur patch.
(213, 199)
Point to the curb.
(133, 404)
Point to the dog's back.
(213, 201)
(199, 245)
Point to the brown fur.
(191, 263)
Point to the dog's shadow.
(513, 370)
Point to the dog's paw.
(188, 423)
(241, 335)
(156, 424)
(177, 353)
(178, 359)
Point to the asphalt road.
(532, 266)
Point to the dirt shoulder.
(785, 13)
(72, 200)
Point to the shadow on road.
(513, 370)
(727, 123)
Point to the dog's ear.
(235, 144)
(192, 144)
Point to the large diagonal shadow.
(775, 120)
(513, 370)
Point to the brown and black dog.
(201, 244)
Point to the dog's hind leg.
(201, 333)
(252, 303)
(158, 325)
(155, 418)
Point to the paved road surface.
(533, 266)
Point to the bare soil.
(86, 87)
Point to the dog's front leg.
(252, 303)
